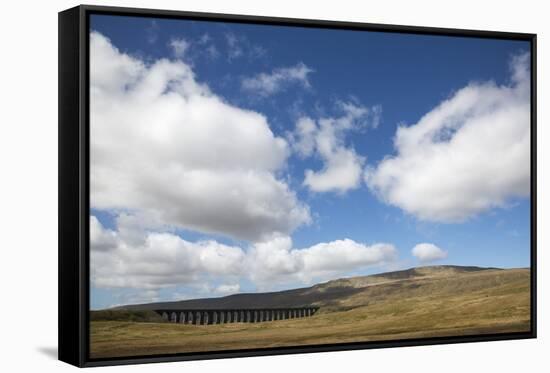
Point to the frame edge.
(70, 348)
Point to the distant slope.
(334, 295)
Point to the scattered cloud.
(144, 259)
(234, 47)
(427, 252)
(325, 138)
(152, 32)
(467, 155)
(192, 49)
(238, 46)
(267, 84)
(122, 297)
(225, 289)
(204, 39)
(305, 136)
(183, 146)
(179, 46)
(212, 51)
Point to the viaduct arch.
(224, 316)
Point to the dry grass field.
(435, 301)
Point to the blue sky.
(363, 86)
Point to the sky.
(229, 158)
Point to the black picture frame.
(74, 206)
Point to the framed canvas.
(235, 186)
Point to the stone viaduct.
(222, 316)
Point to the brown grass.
(485, 302)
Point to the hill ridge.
(329, 293)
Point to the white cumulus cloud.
(143, 259)
(267, 84)
(469, 154)
(140, 258)
(276, 261)
(427, 252)
(325, 138)
(164, 146)
(102, 239)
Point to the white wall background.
(28, 185)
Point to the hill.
(333, 294)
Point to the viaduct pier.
(223, 316)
